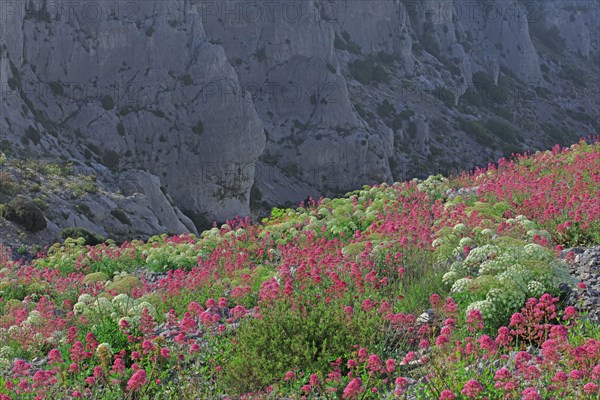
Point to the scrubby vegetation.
(24, 212)
(327, 300)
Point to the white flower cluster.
(6, 356)
(486, 307)
(163, 258)
(537, 289)
(505, 300)
(121, 306)
(461, 285)
(507, 272)
(466, 241)
(480, 254)
(434, 185)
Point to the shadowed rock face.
(329, 95)
(132, 92)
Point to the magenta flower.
(353, 389)
(570, 313)
(502, 374)
(560, 377)
(596, 373)
(137, 380)
(590, 388)
(305, 388)
(390, 365)
(290, 376)
(486, 343)
(531, 394)
(367, 305)
(374, 364)
(472, 389)
(447, 395)
(441, 340)
(314, 380)
(165, 353)
(576, 374)
(54, 356)
(362, 353)
(118, 365)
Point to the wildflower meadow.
(444, 288)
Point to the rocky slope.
(234, 105)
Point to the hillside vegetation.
(448, 288)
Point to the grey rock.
(196, 92)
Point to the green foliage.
(124, 284)
(485, 93)
(445, 95)
(89, 238)
(111, 159)
(198, 129)
(306, 338)
(168, 257)
(83, 185)
(369, 71)
(386, 109)
(121, 216)
(200, 220)
(550, 37)
(33, 135)
(499, 276)
(7, 184)
(503, 131)
(261, 55)
(95, 277)
(26, 213)
(108, 103)
(346, 44)
(574, 74)
(558, 135)
(477, 131)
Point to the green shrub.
(124, 284)
(121, 216)
(261, 55)
(33, 135)
(95, 277)
(550, 37)
(574, 74)
(285, 339)
(26, 213)
(108, 103)
(111, 160)
(386, 109)
(198, 128)
(200, 220)
(476, 130)
(499, 276)
(368, 71)
(90, 238)
(503, 131)
(7, 184)
(346, 44)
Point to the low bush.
(89, 238)
(26, 213)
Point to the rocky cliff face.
(128, 88)
(228, 104)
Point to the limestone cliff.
(233, 105)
